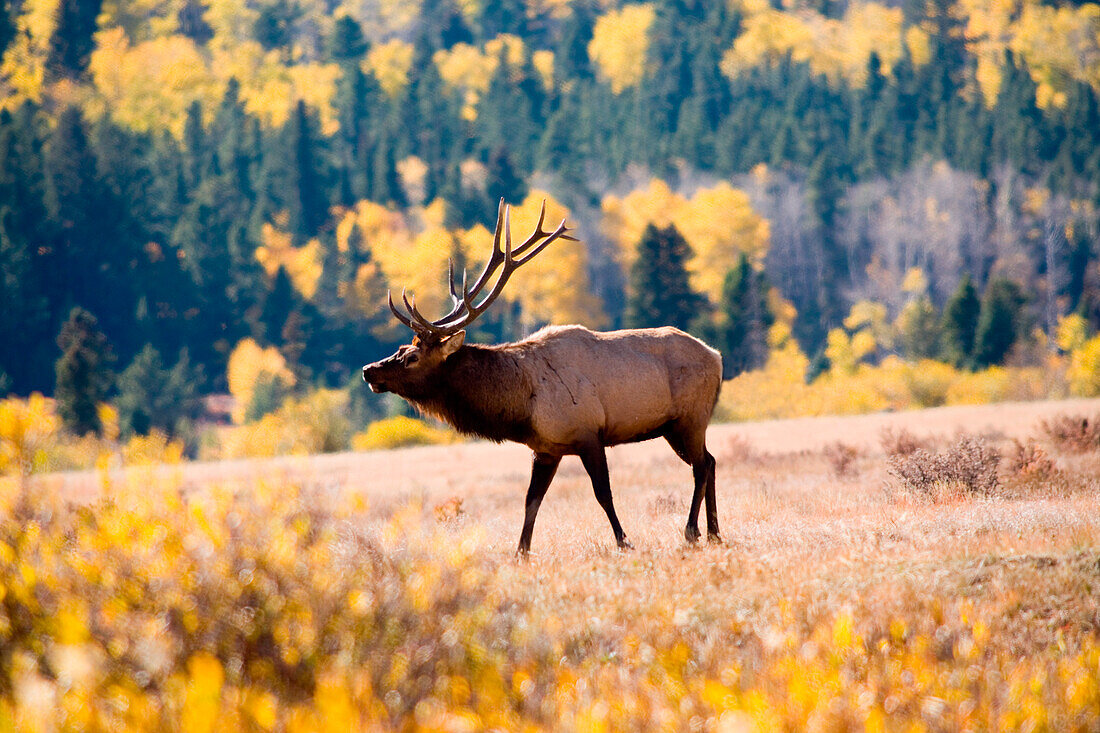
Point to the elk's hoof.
(691, 534)
(624, 544)
(714, 538)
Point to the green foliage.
(83, 372)
(960, 323)
(741, 320)
(152, 396)
(919, 329)
(999, 322)
(156, 232)
(268, 395)
(72, 41)
(660, 293)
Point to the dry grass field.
(883, 572)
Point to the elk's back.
(617, 386)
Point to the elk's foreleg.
(543, 468)
(595, 463)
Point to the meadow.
(925, 570)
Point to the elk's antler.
(506, 261)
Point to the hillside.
(195, 173)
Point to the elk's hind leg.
(595, 463)
(690, 446)
(543, 468)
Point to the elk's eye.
(411, 359)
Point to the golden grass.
(379, 591)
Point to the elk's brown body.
(565, 390)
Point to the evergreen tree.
(502, 180)
(347, 44)
(193, 24)
(274, 25)
(742, 320)
(28, 324)
(920, 330)
(154, 397)
(660, 292)
(83, 372)
(960, 323)
(7, 24)
(72, 42)
(308, 197)
(999, 322)
(91, 255)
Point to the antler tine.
(502, 262)
(536, 235)
(393, 309)
(425, 324)
(559, 233)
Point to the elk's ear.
(452, 343)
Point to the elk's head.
(413, 370)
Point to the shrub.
(1072, 433)
(317, 423)
(929, 382)
(156, 447)
(28, 429)
(969, 466)
(395, 432)
(842, 458)
(901, 442)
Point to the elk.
(565, 390)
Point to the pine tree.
(154, 397)
(502, 180)
(7, 25)
(28, 324)
(83, 372)
(347, 44)
(660, 292)
(193, 24)
(999, 322)
(742, 319)
(960, 323)
(308, 197)
(92, 253)
(72, 42)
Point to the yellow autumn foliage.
(248, 363)
(620, 41)
(150, 86)
(302, 264)
(1060, 45)
(718, 223)
(28, 429)
(552, 288)
(837, 48)
(23, 67)
(1084, 369)
(398, 432)
(141, 20)
(390, 63)
(467, 69)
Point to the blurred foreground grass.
(270, 607)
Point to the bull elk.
(565, 390)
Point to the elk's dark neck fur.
(482, 391)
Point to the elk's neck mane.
(482, 391)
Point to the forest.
(186, 181)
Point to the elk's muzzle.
(371, 377)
